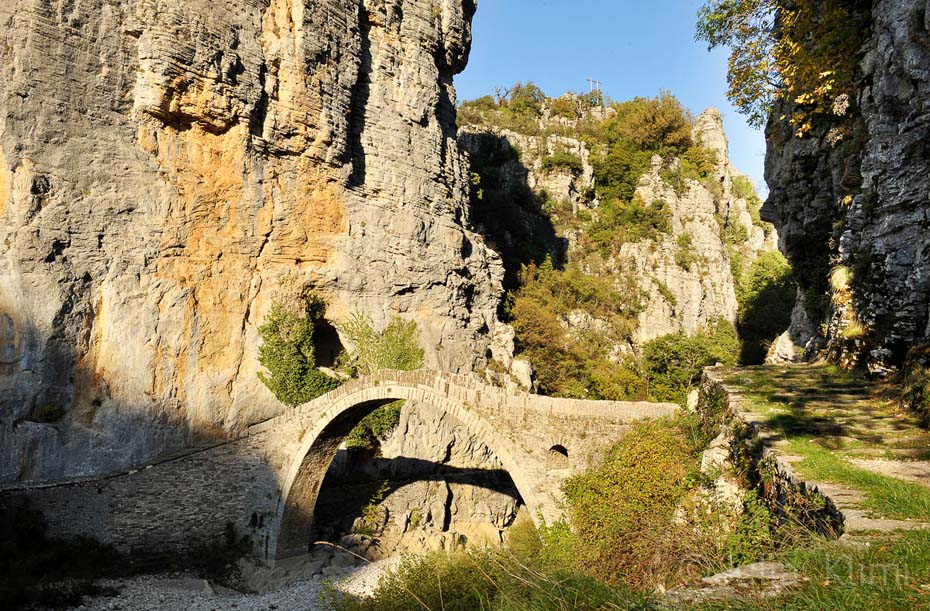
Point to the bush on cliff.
(518, 108)
(287, 351)
(575, 364)
(395, 347)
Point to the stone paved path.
(855, 421)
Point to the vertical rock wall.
(166, 165)
(854, 194)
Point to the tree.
(803, 52)
(747, 27)
(674, 363)
(287, 351)
(657, 124)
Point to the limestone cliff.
(433, 484)
(684, 275)
(165, 164)
(851, 198)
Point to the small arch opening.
(557, 458)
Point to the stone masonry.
(265, 483)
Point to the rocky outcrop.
(432, 485)
(692, 284)
(684, 275)
(166, 165)
(853, 195)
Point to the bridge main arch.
(308, 465)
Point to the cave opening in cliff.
(327, 345)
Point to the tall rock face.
(853, 196)
(166, 166)
(692, 283)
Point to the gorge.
(171, 172)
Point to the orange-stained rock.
(166, 165)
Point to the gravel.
(186, 593)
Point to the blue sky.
(634, 47)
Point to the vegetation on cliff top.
(572, 308)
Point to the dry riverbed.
(294, 585)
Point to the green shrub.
(695, 164)
(375, 427)
(619, 222)
(474, 112)
(287, 351)
(685, 257)
(661, 123)
(396, 347)
(518, 108)
(666, 292)
(674, 363)
(732, 232)
(618, 170)
(915, 383)
(569, 365)
(744, 189)
(525, 101)
(562, 160)
(565, 107)
(622, 511)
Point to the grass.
(826, 416)
(891, 574)
(840, 408)
(886, 496)
(519, 577)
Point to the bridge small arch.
(557, 458)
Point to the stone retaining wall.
(763, 468)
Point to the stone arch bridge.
(266, 482)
